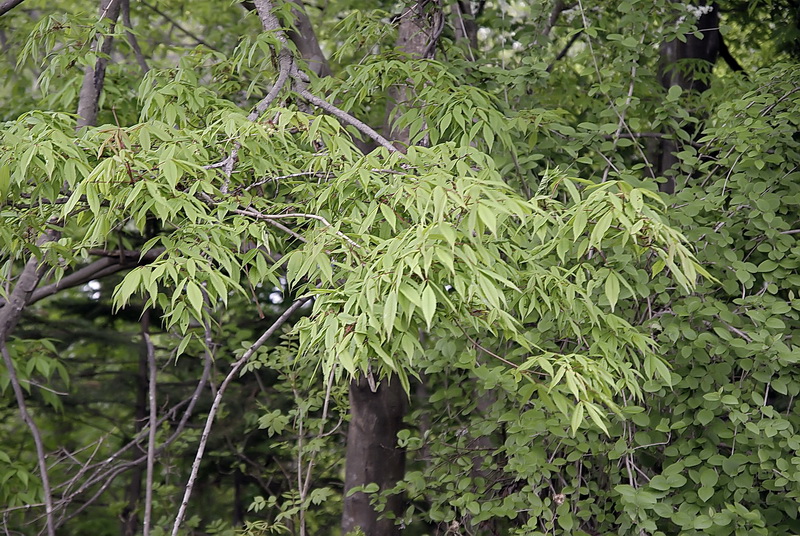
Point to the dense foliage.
(571, 239)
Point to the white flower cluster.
(699, 11)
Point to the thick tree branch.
(270, 23)
(725, 54)
(26, 284)
(8, 5)
(302, 35)
(285, 62)
(564, 50)
(114, 261)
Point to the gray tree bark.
(94, 76)
(373, 455)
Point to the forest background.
(435, 267)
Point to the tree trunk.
(130, 515)
(373, 455)
(675, 74)
(376, 417)
(94, 75)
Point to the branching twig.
(235, 368)
(105, 471)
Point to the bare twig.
(235, 369)
(313, 217)
(622, 123)
(305, 485)
(104, 471)
(151, 439)
(37, 436)
(289, 176)
(177, 25)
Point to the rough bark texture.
(94, 76)
(675, 74)
(373, 454)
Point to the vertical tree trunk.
(376, 417)
(130, 515)
(675, 74)
(94, 75)
(373, 454)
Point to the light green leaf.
(612, 289)
(428, 305)
(195, 297)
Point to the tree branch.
(37, 436)
(151, 439)
(114, 261)
(349, 119)
(8, 5)
(94, 75)
(137, 51)
(270, 23)
(725, 54)
(564, 50)
(26, 284)
(236, 367)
